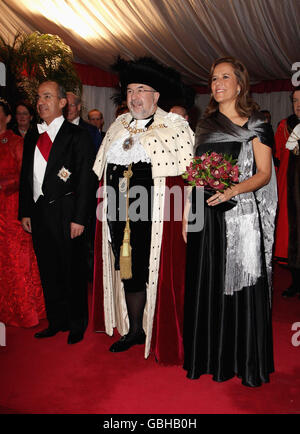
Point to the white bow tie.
(52, 128)
(43, 127)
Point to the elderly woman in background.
(24, 115)
(21, 297)
(227, 313)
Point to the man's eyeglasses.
(139, 91)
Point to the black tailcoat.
(61, 260)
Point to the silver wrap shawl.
(250, 224)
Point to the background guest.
(73, 115)
(95, 117)
(191, 116)
(267, 115)
(121, 108)
(24, 119)
(287, 242)
(73, 111)
(179, 110)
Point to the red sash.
(44, 144)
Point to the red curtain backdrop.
(93, 76)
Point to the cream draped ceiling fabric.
(185, 34)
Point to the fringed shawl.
(250, 224)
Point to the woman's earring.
(238, 92)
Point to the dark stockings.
(135, 302)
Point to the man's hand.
(76, 230)
(26, 224)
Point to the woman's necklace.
(128, 143)
(23, 132)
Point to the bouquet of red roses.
(212, 171)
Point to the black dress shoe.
(290, 292)
(127, 342)
(46, 333)
(75, 337)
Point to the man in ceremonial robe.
(157, 146)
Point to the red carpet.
(49, 376)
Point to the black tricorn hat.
(165, 80)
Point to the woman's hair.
(244, 104)
(6, 107)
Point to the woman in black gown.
(227, 313)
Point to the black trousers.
(140, 236)
(62, 264)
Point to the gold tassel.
(125, 255)
(125, 250)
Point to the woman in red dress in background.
(21, 296)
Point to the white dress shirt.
(40, 164)
(76, 121)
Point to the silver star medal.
(64, 174)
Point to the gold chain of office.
(134, 130)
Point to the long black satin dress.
(224, 335)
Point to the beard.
(144, 113)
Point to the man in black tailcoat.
(95, 118)
(56, 188)
(73, 111)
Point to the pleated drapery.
(185, 34)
